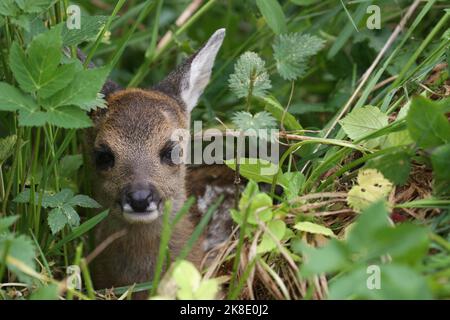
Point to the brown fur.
(136, 126)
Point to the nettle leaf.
(12, 99)
(7, 147)
(395, 166)
(278, 230)
(73, 219)
(82, 91)
(371, 187)
(246, 121)
(292, 52)
(7, 222)
(249, 75)
(273, 14)
(427, 124)
(57, 220)
(363, 121)
(91, 27)
(310, 227)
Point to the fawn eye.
(104, 158)
(169, 154)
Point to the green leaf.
(82, 91)
(8, 8)
(34, 118)
(46, 292)
(278, 230)
(395, 166)
(363, 121)
(293, 182)
(7, 222)
(249, 75)
(273, 14)
(275, 108)
(440, 159)
(37, 69)
(12, 99)
(329, 258)
(246, 121)
(7, 147)
(310, 227)
(57, 220)
(259, 170)
(70, 164)
(91, 26)
(69, 117)
(427, 124)
(187, 278)
(34, 6)
(20, 248)
(304, 2)
(83, 201)
(73, 219)
(292, 52)
(396, 282)
(58, 199)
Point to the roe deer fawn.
(135, 172)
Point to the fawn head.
(136, 160)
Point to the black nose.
(140, 198)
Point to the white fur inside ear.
(199, 74)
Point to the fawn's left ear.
(188, 81)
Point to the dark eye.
(103, 157)
(169, 154)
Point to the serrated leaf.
(69, 117)
(310, 227)
(12, 99)
(427, 124)
(83, 201)
(292, 52)
(292, 181)
(82, 91)
(8, 8)
(34, 118)
(246, 121)
(273, 14)
(249, 75)
(57, 220)
(363, 121)
(278, 230)
(371, 187)
(36, 68)
(73, 219)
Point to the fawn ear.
(188, 81)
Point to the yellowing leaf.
(314, 228)
(372, 186)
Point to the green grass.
(270, 257)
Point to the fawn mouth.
(150, 214)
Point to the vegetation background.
(363, 113)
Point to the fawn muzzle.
(140, 203)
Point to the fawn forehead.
(137, 117)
